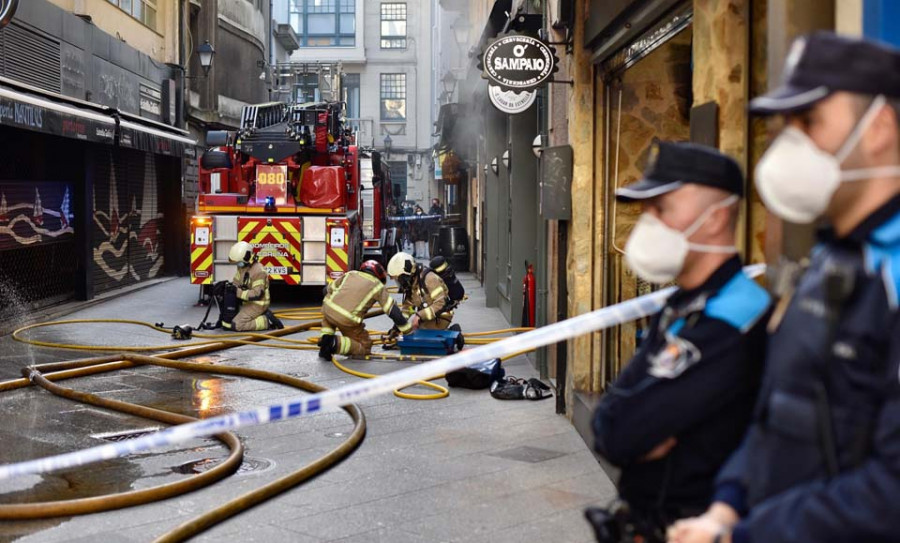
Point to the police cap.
(822, 63)
(672, 165)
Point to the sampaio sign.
(518, 62)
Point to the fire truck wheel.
(215, 159)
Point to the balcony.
(287, 37)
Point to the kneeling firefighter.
(425, 295)
(251, 282)
(347, 300)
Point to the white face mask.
(796, 179)
(656, 252)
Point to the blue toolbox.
(430, 342)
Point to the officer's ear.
(881, 142)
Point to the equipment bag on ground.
(478, 376)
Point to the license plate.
(277, 270)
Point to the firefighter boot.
(274, 322)
(327, 345)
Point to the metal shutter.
(146, 247)
(30, 57)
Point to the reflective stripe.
(429, 314)
(258, 283)
(261, 322)
(259, 302)
(436, 293)
(388, 304)
(244, 295)
(367, 298)
(345, 346)
(405, 328)
(343, 311)
(327, 331)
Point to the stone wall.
(655, 96)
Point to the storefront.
(84, 194)
(650, 69)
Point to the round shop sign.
(518, 62)
(511, 102)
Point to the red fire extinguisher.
(528, 296)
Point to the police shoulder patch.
(674, 359)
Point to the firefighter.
(252, 283)
(424, 293)
(681, 405)
(347, 301)
(821, 461)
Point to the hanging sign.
(516, 62)
(511, 102)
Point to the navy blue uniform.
(695, 378)
(821, 461)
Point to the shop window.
(324, 23)
(393, 97)
(393, 25)
(142, 10)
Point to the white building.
(386, 51)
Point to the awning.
(28, 108)
(32, 112)
(153, 140)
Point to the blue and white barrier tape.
(360, 390)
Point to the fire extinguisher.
(528, 296)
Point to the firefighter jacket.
(427, 297)
(355, 292)
(695, 378)
(252, 284)
(821, 461)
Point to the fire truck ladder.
(262, 116)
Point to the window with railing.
(393, 25)
(324, 23)
(393, 97)
(142, 10)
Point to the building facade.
(385, 52)
(242, 36)
(92, 115)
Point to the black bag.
(477, 376)
(512, 388)
(229, 303)
(455, 291)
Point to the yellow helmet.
(240, 252)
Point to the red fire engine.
(293, 183)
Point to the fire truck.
(292, 182)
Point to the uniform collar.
(863, 231)
(713, 283)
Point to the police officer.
(821, 461)
(252, 283)
(680, 407)
(347, 301)
(424, 293)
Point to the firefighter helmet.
(240, 252)
(375, 269)
(401, 264)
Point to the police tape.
(334, 399)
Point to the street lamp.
(388, 142)
(460, 29)
(206, 54)
(449, 83)
(494, 167)
(506, 159)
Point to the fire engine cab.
(294, 184)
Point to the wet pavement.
(464, 468)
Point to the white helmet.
(401, 264)
(240, 252)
